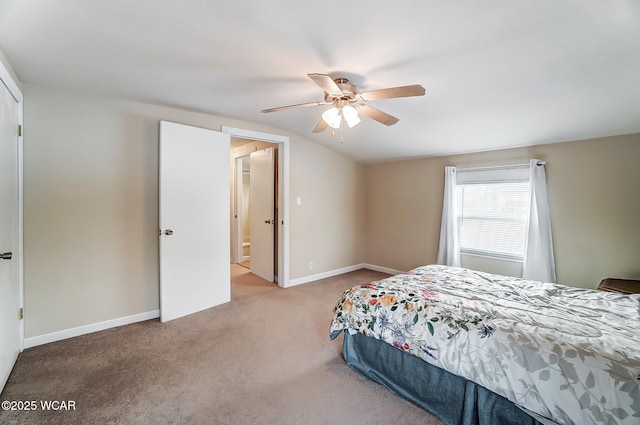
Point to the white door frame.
(283, 193)
(239, 193)
(8, 80)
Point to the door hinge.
(21, 313)
(19, 130)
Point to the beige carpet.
(264, 358)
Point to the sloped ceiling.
(498, 73)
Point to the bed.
(478, 348)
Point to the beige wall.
(91, 219)
(91, 206)
(332, 189)
(593, 196)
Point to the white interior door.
(194, 219)
(10, 334)
(262, 213)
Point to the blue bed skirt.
(451, 398)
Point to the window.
(493, 207)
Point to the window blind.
(493, 209)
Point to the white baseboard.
(323, 275)
(331, 273)
(154, 314)
(86, 329)
(382, 269)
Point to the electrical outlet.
(310, 265)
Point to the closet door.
(10, 326)
(194, 219)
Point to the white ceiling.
(498, 73)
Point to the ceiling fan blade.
(299, 105)
(322, 126)
(327, 84)
(376, 114)
(404, 91)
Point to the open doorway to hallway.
(254, 200)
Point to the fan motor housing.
(347, 88)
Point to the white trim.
(383, 269)
(336, 272)
(491, 257)
(283, 254)
(238, 192)
(492, 174)
(10, 83)
(86, 329)
(254, 135)
(283, 183)
(15, 91)
(323, 275)
(21, 215)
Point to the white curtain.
(449, 249)
(539, 263)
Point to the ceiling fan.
(347, 102)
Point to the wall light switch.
(298, 201)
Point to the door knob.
(168, 232)
(267, 221)
(6, 255)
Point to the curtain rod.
(500, 167)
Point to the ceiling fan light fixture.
(350, 115)
(348, 102)
(332, 117)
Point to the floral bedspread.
(568, 354)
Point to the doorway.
(281, 221)
(255, 206)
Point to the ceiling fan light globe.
(350, 115)
(353, 121)
(332, 117)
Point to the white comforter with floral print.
(568, 354)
